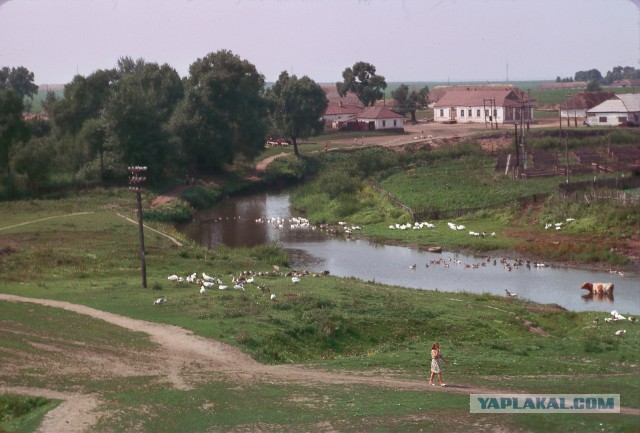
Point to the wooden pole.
(135, 182)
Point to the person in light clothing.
(436, 357)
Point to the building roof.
(340, 108)
(379, 113)
(438, 91)
(586, 100)
(622, 103)
(479, 98)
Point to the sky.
(406, 40)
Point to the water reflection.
(234, 223)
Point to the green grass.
(328, 322)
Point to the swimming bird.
(619, 332)
(510, 294)
(412, 266)
(160, 301)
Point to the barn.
(619, 110)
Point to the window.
(394, 123)
(461, 113)
(486, 113)
(441, 112)
(384, 123)
(478, 113)
(469, 112)
(622, 119)
(495, 113)
(602, 119)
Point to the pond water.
(257, 219)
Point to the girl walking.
(436, 356)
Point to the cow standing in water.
(598, 288)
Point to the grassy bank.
(80, 250)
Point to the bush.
(201, 198)
(176, 211)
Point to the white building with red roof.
(381, 118)
(483, 106)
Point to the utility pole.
(135, 184)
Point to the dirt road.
(182, 360)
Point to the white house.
(380, 118)
(483, 106)
(620, 109)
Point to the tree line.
(595, 78)
(144, 113)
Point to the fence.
(597, 189)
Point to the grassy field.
(79, 250)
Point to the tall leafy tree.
(83, 98)
(364, 82)
(19, 79)
(622, 73)
(409, 102)
(588, 76)
(13, 129)
(138, 112)
(223, 113)
(297, 106)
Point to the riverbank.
(368, 340)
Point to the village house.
(347, 113)
(620, 109)
(577, 105)
(381, 118)
(507, 105)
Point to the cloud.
(3, 2)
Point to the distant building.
(347, 112)
(381, 118)
(506, 105)
(577, 105)
(620, 109)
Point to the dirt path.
(182, 360)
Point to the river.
(261, 218)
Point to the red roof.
(378, 113)
(478, 98)
(335, 109)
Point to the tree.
(223, 113)
(363, 81)
(13, 128)
(588, 76)
(138, 112)
(83, 98)
(409, 102)
(19, 79)
(297, 106)
(593, 86)
(622, 73)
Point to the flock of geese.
(245, 278)
(505, 263)
(616, 317)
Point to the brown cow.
(595, 288)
